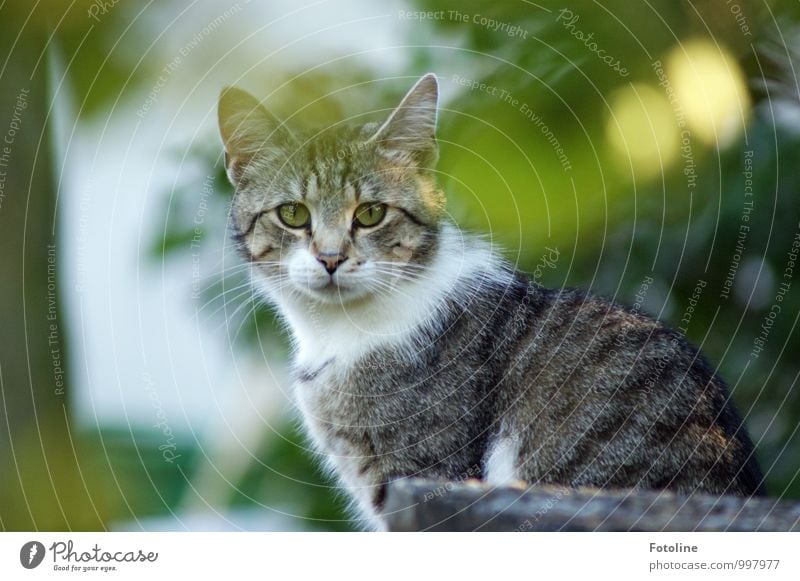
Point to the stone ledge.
(427, 505)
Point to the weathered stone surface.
(425, 505)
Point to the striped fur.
(426, 355)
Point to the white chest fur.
(341, 458)
(346, 332)
(330, 338)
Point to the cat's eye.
(369, 214)
(294, 215)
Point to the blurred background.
(646, 151)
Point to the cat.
(420, 352)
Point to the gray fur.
(583, 390)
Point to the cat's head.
(340, 215)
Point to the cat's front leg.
(367, 490)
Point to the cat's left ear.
(248, 130)
(410, 131)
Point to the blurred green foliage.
(286, 475)
(614, 222)
(615, 225)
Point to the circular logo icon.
(31, 554)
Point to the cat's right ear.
(248, 130)
(410, 131)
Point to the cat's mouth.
(330, 286)
(334, 290)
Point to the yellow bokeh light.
(710, 90)
(642, 129)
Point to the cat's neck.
(345, 333)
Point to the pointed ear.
(247, 130)
(410, 131)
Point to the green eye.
(294, 215)
(370, 214)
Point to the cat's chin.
(334, 294)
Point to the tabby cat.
(419, 352)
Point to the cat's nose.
(331, 260)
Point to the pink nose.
(331, 260)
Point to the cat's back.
(606, 396)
